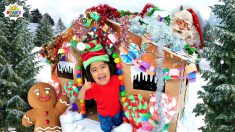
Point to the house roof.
(66, 36)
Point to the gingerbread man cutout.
(46, 108)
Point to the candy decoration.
(174, 73)
(119, 71)
(169, 107)
(95, 16)
(126, 59)
(105, 27)
(118, 65)
(134, 48)
(134, 107)
(123, 99)
(191, 71)
(116, 60)
(133, 53)
(112, 38)
(79, 82)
(71, 89)
(114, 55)
(74, 107)
(57, 87)
(87, 22)
(123, 93)
(148, 122)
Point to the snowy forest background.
(18, 68)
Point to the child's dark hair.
(87, 74)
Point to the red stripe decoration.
(88, 55)
(92, 44)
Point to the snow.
(44, 74)
(188, 122)
(73, 122)
(32, 27)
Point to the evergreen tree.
(36, 16)
(44, 32)
(60, 27)
(17, 69)
(219, 94)
(48, 17)
(208, 37)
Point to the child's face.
(100, 72)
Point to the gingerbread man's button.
(47, 122)
(45, 113)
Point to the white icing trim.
(28, 119)
(64, 102)
(47, 88)
(64, 66)
(43, 129)
(72, 58)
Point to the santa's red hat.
(191, 17)
(196, 23)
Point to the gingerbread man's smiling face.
(42, 95)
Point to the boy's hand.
(87, 85)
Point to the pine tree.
(44, 32)
(219, 94)
(17, 70)
(60, 27)
(48, 17)
(36, 16)
(208, 37)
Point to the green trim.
(96, 59)
(96, 48)
(87, 46)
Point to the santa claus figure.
(185, 24)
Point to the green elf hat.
(92, 52)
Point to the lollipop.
(134, 107)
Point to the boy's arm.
(86, 86)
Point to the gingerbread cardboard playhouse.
(65, 71)
(177, 69)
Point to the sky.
(69, 10)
